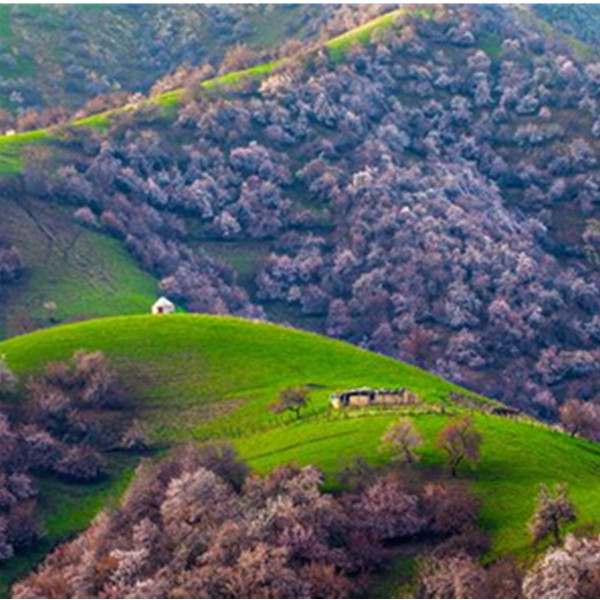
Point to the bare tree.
(553, 510)
(580, 418)
(403, 439)
(461, 442)
(292, 400)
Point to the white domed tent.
(163, 306)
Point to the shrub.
(403, 439)
(553, 510)
(80, 464)
(136, 439)
(8, 380)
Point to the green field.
(199, 375)
(12, 146)
(208, 378)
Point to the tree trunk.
(454, 466)
(556, 531)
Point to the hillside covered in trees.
(56, 59)
(430, 194)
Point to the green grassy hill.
(208, 378)
(84, 273)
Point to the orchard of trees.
(175, 45)
(197, 525)
(566, 570)
(69, 416)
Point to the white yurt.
(163, 306)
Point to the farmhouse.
(373, 397)
(163, 306)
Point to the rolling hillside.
(210, 378)
(425, 185)
(13, 146)
(280, 221)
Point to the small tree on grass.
(8, 380)
(553, 510)
(581, 418)
(292, 400)
(460, 441)
(403, 439)
(136, 439)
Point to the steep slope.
(13, 146)
(577, 20)
(210, 378)
(80, 272)
(74, 272)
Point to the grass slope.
(206, 377)
(86, 274)
(12, 146)
(197, 375)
